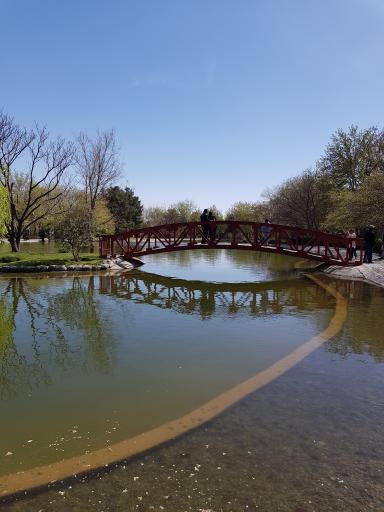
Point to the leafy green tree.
(369, 203)
(359, 209)
(154, 215)
(76, 228)
(351, 155)
(243, 210)
(125, 207)
(213, 208)
(5, 213)
(182, 211)
(102, 218)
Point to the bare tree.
(31, 170)
(300, 201)
(98, 164)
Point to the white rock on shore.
(371, 272)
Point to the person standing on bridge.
(265, 231)
(212, 227)
(204, 226)
(369, 239)
(352, 247)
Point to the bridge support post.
(234, 229)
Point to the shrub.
(9, 259)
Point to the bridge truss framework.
(241, 235)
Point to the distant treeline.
(68, 189)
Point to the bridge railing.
(246, 235)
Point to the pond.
(33, 247)
(87, 362)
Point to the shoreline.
(372, 273)
(111, 265)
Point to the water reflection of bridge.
(27, 366)
(206, 299)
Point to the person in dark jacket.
(369, 239)
(204, 226)
(212, 227)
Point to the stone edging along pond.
(114, 264)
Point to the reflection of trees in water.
(363, 331)
(17, 370)
(77, 308)
(26, 366)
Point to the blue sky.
(211, 100)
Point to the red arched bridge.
(233, 234)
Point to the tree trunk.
(75, 253)
(14, 240)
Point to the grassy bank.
(25, 258)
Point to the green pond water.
(88, 361)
